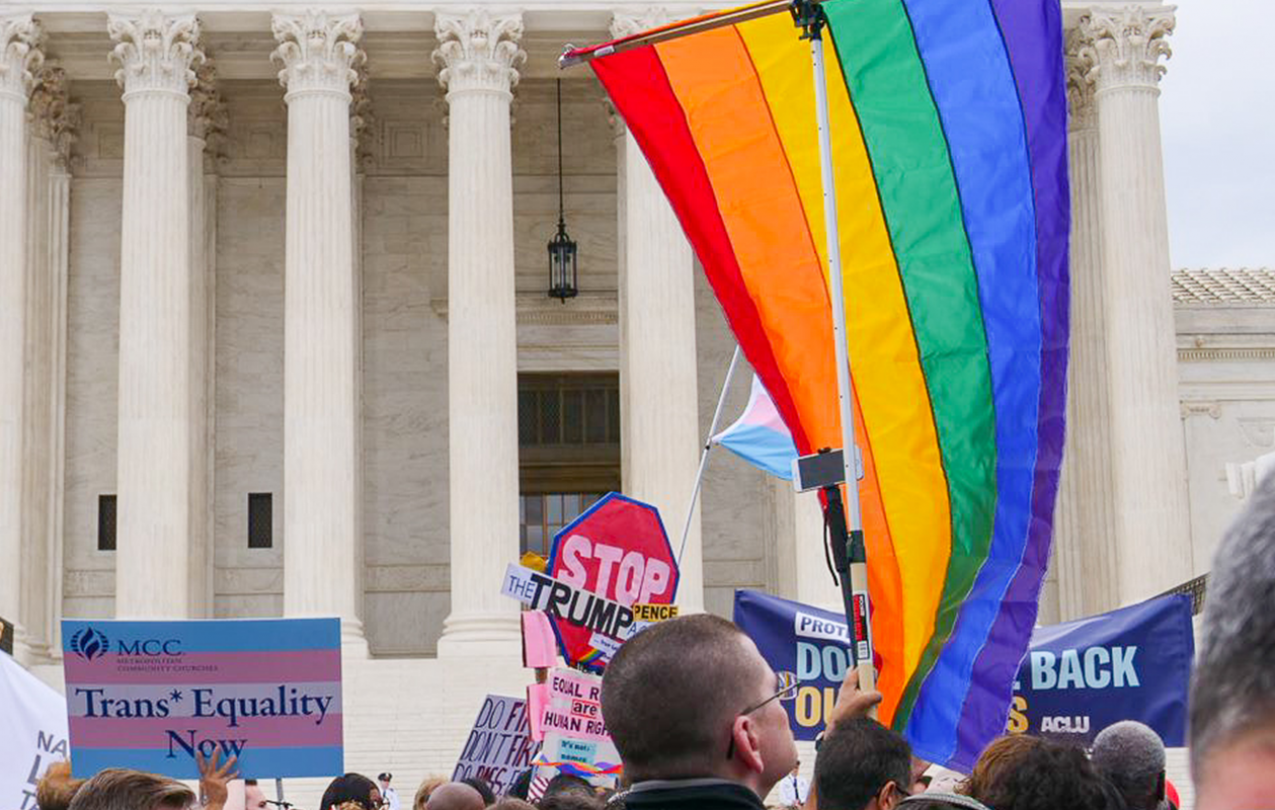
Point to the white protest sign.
(562, 600)
(500, 746)
(35, 733)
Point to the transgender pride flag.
(150, 695)
(759, 436)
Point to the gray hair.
(1233, 684)
(120, 789)
(1131, 756)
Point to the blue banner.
(803, 643)
(1130, 664)
(1078, 678)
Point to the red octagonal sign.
(617, 549)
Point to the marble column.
(156, 53)
(321, 533)
(54, 121)
(802, 570)
(1085, 555)
(661, 433)
(479, 56)
(1150, 506)
(205, 119)
(19, 56)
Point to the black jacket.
(689, 794)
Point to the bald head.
(455, 796)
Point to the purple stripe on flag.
(207, 668)
(1033, 37)
(152, 732)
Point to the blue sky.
(1217, 115)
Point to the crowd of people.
(708, 732)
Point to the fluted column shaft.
(1085, 547)
(479, 56)
(18, 56)
(152, 565)
(321, 536)
(204, 115)
(658, 373)
(1151, 513)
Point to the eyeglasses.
(787, 687)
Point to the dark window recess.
(260, 520)
(106, 523)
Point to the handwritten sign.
(500, 746)
(575, 706)
(149, 695)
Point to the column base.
(353, 642)
(481, 635)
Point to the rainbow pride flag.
(949, 128)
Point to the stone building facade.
(274, 338)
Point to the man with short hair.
(862, 765)
(1131, 756)
(121, 789)
(694, 711)
(1232, 707)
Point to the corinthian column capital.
(1128, 43)
(157, 52)
(627, 22)
(1082, 61)
(56, 119)
(319, 53)
(20, 55)
(478, 51)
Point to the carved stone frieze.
(55, 118)
(318, 51)
(156, 52)
(1128, 43)
(20, 55)
(478, 51)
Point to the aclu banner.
(34, 736)
(149, 695)
(803, 643)
(1130, 664)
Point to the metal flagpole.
(708, 445)
(810, 16)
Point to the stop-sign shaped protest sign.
(618, 550)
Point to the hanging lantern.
(562, 249)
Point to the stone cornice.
(318, 52)
(56, 119)
(478, 51)
(157, 53)
(1128, 43)
(20, 55)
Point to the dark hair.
(352, 787)
(56, 788)
(521, 785)
(565, 783)
(668, 710)
(999, 757)
(484, 789)
(856, 760)
(1050, 775)
(572, 800)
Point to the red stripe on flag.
(641, 91)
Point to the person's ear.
(889, 796)
(747, 743)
